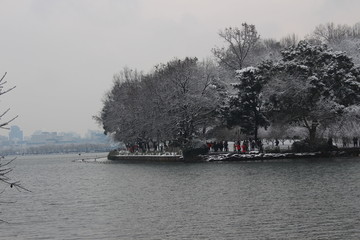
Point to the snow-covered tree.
(352, 48)
(190, 95)
(122, 110)
(312, 85)
(339, 37)
(245, 109)
(176, 101)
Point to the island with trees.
(251, 90)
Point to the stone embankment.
(233, 156)
(230, 157)
(146, 158)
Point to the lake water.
(307, 199)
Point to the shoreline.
(146, 158)
(235, 157)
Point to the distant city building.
(69, 137)
(51, 142)
(15, 134)
(39, 137)
(4, 141)
(97, 136)
(44, 138)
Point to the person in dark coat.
(252, 145)
(226, 146)
(259, 145)
(344, 141)
(221, 146)
(355, 141)
(216, 146)
(330, 143)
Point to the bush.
(193, 149)
(272, 150)
(321, 145)
(113, 153)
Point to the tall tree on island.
(121, 115)
(188, 97)
(245, 49)
(245, 109)
(177, 101)
(239, 44)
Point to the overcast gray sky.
(62, 54)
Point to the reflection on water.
(254, 200)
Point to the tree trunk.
(256, 125)
(256, 133)
(312, 130)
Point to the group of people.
(221, 146)
(142, 146)
(346, 142)
(248, 145)
(239, 146)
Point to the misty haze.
(179, 119)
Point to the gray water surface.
(307, 199)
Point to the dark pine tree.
(245, 109)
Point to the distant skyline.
(38, 131)
(62, 55)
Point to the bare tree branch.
(240, 42)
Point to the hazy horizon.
(62, 55)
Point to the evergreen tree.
(245, 109)
(312, 85)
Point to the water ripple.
(262, 200)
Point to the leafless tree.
(349, 124)
(340, 38)
(289, 40)
(4, 124)
(240, 42)
(331, 33)
(5, 165)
